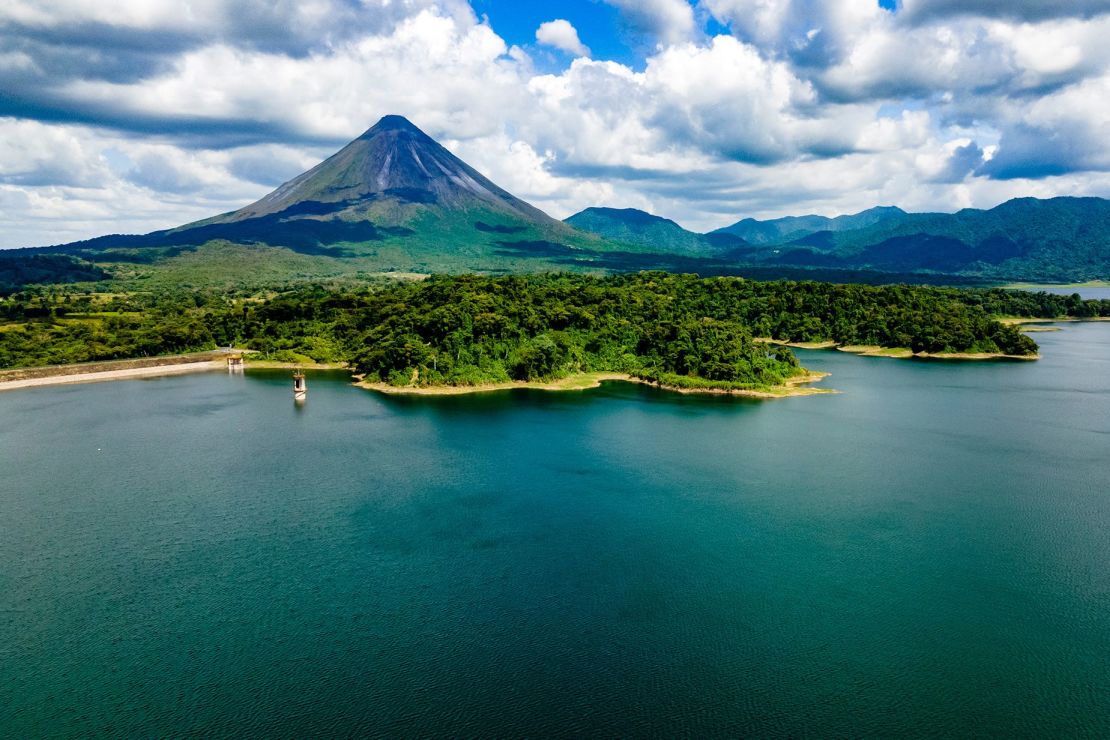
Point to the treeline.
(1029, 304)
(472, 329)
(654, 325)
(18, 269)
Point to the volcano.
(392, 199)
(392, 163)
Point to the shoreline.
(1021, 320)
(899, 353)
(585, 381)
(283, 365)
(152, 367)
(151, 371)
(1063, 286)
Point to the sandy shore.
(791, 388)
(900, 353)
(1063, 286)
(974, 356)
(797, 345)
(573, 383)
(867, 350)
(121, 374)
(584, 381)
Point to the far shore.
(1019, 320)
(900, 353)
(583, 381)
(1044, 286)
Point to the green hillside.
(1064, 239)
(1059, 239)
(789, 228)
(654, 233)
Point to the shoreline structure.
(153, 371)
(92, 372)
(137, 369)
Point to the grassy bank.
(583, 381)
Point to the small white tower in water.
(300, 389)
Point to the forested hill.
(789, 228)
(18, 270)
(469, 329)
(1053, 240)
(1060, 239)
(632, 226)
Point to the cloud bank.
(147, 114)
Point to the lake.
(927, 552)
(1097, 292)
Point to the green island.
(559, 331)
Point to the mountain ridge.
(633, 226)
(768, 231)
(395, 200)
(1065, 238)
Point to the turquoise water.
(927, 553)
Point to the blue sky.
(134, 115)
(599, 26)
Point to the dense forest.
(19, 269)
(463, 330)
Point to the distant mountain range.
(779, 230)
(396, 200)
(1059, 239)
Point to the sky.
(136, 115)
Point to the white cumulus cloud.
(560, 34)
(145, 114)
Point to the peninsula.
(795, 386)
(557, 331)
